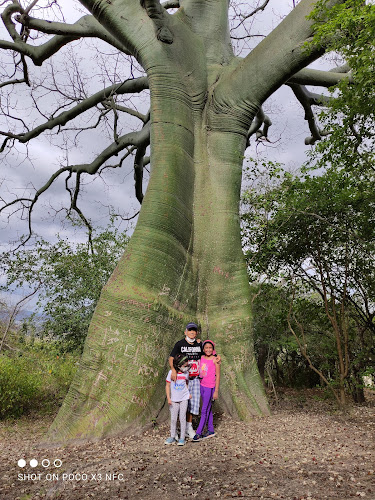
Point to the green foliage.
(312, 238)
(314, 231)
(349, 120)
(18, 386)
(305, 219)
(36, 378)
(278, 353)
(70, 278)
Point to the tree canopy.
(68, 101)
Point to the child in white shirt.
(178, 396)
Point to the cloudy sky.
(24, 168)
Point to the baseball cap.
(192, 326)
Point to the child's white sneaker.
(190, 432)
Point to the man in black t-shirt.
(192, 348)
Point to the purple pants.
(206, 413)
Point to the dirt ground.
(305, 450)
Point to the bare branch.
(136, 85)
(29, 7)
(121, 216)
(14, 313)
(25, 70)
(129, 151)
(138, 168)
(74, 206)
(258, 9)
(252, 13)
(133, 138)
(260, 119)
(111, 105)
(307, 99)
(137, 139)
(12, 82)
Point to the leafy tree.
(69, 279)
(184, 260)
(318, 231)
(327, 222)
(280, 360)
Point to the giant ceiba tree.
(184, 261)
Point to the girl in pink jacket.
(210, 381)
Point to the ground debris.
(313, 453)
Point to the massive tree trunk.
(184, 261)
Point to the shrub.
(18, 386)
(36, 379)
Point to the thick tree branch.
(37, 54)
(6, 16)
(40, 53)
(159, 17)
(344, 68)
(133, 138)
(86, 26)
(319, 78)
(283, 53)
(125, 20)
(110, 104)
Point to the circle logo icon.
(21, 462)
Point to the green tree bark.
(184, 261)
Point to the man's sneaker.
(181, 442)
(170, 440)
(197, 437)
(209, 434)
(190, 433)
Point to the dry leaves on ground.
(304, 451)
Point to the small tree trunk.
(261, 359)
